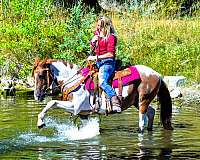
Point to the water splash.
(88, 130)
(64, 132)
(30, 137)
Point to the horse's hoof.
(40, 123)
(140, 130)
(169, 128)
(116, 109)
(95, 110)
(41, 126)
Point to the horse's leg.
(84, 119)
(142, 119)
(52, 104)
(137, 97)
(146, 111)
(144, 102)
(146, 95)
(150, 115)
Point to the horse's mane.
(46, 61)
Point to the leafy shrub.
(78, 33)
(155, 34)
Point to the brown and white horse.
(49, 72)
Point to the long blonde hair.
(107, 24)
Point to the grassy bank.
(171, 46)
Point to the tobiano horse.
(139, 87)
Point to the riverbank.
(15, 88)
(191, 94)
(21, 92)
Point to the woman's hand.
(92, 58)
(95, 38)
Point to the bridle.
(49, 75)
(51, 79)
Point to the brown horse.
(138, 92)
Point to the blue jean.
(106, 69)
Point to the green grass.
(164, 41)
(171, 47)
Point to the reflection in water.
(74, 150)
(118, 139)
(144, 150)
(166, 139)
(148, 143)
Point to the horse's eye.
(41, 77)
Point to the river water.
(111, 137)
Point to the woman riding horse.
(138, 94)
(104, 45)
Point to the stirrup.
(95, 109)
(116, 104)
(116, 109)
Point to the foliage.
(123, 52)
(161, 34)
(75, 46)
(30, 29)
(169, 46)
(165, 8)
(38, 29)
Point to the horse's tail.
(166, 106)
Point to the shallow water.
(111, 137)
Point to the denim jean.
(106, 69)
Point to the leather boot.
(116, 105)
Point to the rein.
(67, 82)
(92, 69)
(48, 79)
(75, 86)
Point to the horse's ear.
(46, 60)
(37, 61)
(32, 73)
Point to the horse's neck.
(63, 70)
(65, 73)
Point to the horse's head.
(48, 75)
(42, 78)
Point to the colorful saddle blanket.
(127, 76)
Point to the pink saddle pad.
(89, 84)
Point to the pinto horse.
(140, 93)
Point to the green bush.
(155, 34)
(169, 46)
(75, 47)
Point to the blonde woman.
(104, 45)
